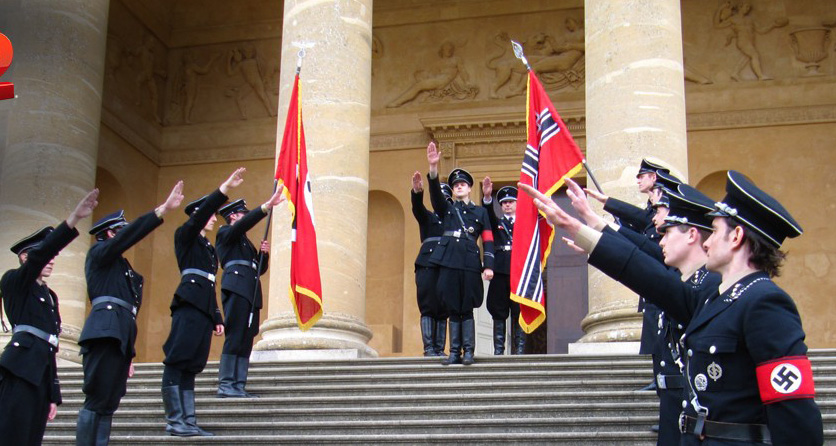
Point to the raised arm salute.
(457, 255)
(748, 377)
(241, 290)
(109, 334)
(29, 388)
(194, 310)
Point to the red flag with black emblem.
(550, 155)
(292, 172)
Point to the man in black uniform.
(500, 304)
(457, 255)
(433, 313)
(29, 388)
(194, 311)
(650, 180)
(240, 291)
(748, 378)
(109, 334)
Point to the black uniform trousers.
(105, 375)
(461, 290)
(188, 343)
(24, 409)
(239, 337)
(499, 304)
(429, 303)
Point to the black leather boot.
(468, 341)
(439, 337)
(174, 414)
(103, 430)
(189, 413)
(498, 337)
(519, 339)
(226, 378)
(242, 369)
(455, 344)
(427, 331)
(85, 431)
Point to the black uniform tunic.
(726, 337)
(499, 290)
(194, 308)
(457, 254)
(430, 228)
(240, 285)
(28, 373)
(640, 221)
(109, 334)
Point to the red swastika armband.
(787, 378)
(487, 236)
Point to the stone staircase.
(536, 399)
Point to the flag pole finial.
(299, 56)
(518, 51)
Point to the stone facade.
(192, 89)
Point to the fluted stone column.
(335, 93)
(635, 107)
(49, 135)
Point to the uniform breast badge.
(715, 372)
(701, 382)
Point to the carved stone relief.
(132, 72)
(558, 63)
(811, 46)
(743, 31)
(223, 83)
(443, 79)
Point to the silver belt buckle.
(255, 266)
(457, 233)
(683, 422)
(211, 277)
(53, 340)
(133, 310)
(661, 382)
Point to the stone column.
(335, 93)
(49, 135)
(635, 107)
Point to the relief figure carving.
(743, 31)
(191, 80)
(245, 60)
(557, 63)
(145, 73)
(445, 78)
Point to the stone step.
(462, 426)
(207, 412)
(449, 437)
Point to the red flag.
(550, 155)
(292, 172)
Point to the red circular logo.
(6, 53)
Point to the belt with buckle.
(241, 262)
(458, 234)
(113, 300)
(666, 382)
(198, 272)
(758, 433)
(503, 248)
(37, 332)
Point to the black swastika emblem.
(785, 378)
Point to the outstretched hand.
(596, 195)
(173, 201)
(433, 157)
(417, 182)
(277, 197)
(552, 211)
(579, 200)
(84, 208)
(234, 180)
(487, 187)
